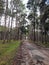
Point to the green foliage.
(23, 30)
(30, 3)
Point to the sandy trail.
(30, 54)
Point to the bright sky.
(25, 1)
(47, 2)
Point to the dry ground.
(30, 54)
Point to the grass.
(7, 52)
(46, 45)
(2, 28)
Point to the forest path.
(30, 54)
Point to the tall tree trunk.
(17, 28)
(0, 20)
(34, 23)
(34, 31)
(8, 30)
(41, 33)
(11, 20)
(5, 21)
(11, 36)
(41, 27)
(5, 31)
(45, 37)
(0, 25)
(37, 33)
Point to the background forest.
(19, 22)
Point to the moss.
(3, 63)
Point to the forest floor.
(31, 54)
(8, 51)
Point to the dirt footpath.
(30, 54)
